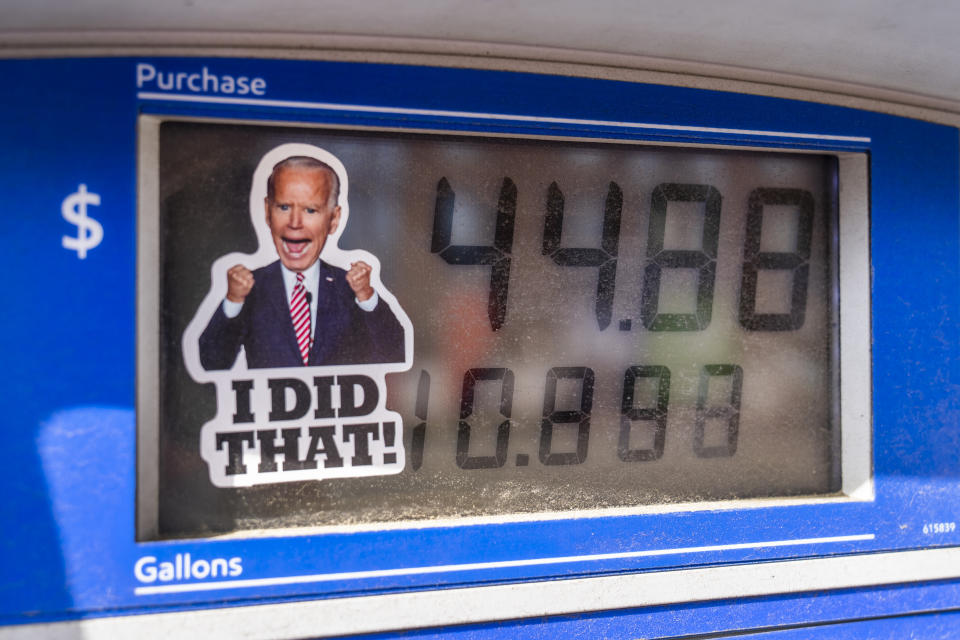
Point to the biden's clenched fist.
(239, 283)
(359, 280)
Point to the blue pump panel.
(130, 184)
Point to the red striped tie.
(300, 314)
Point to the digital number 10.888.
(654, 414)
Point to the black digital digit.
(470, 379)
(729, 411)
(497, 255)
(656, 414)
(797, 261)
(420, 431)
(605, 257)
(552, 417)
(704, 260)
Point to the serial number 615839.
(939, 527)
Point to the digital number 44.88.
(704, 259)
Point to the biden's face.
(300, 216)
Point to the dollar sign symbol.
(89, 231)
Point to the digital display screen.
(591, 325)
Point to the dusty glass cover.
(596, 325)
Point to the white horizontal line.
(331, 106)
(535, 600)
(475, 566)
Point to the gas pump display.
(595, 326)
(291, 340)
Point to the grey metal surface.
(888, 44)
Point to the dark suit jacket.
(344, 333)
